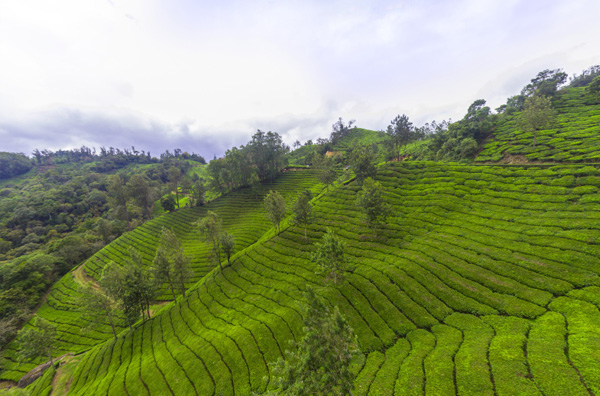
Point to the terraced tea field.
(243, 217)
(574, 138)
(486, 281)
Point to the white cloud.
(203, 70)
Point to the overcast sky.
(204, 75)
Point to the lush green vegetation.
(457, 279)
(573, 138)
(243, 216)
(483, 281)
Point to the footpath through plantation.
(483, 280)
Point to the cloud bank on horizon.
(203, 76)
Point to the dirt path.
(83, 278)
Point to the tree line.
(56, 219)
(262, 158)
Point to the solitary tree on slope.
(537, 115)
(275, 206)
(321, 364)
(371, 200)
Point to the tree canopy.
(302, 209)
(537, 115)
(276, 208)
(321, 364)
(372, 202)
(330, 256)
(210, 227)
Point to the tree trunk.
(127, 217)
(305, 237)
(110, 320)
(171, 287)
(183, 288)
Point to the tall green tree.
(198, 193)
(321, 363)
(95, 305)
(537, 114)
(362, 159)
(168, 203)
(174, 179)
(171, 265)
(372, 202)
(143, 195)
(546, 83)
(594, 87)
(325, 167)
(118, 197)
(302, 210)
(37, 342)
(131, 285)
(400, 132)
(339, 130)
(210, 227)
(275, 206)
(227, 245)
(330, 256)
(267, 152)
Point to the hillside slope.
(574, 138)
(484, 282)
(243, 217)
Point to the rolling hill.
(485, 281)
(574, 137)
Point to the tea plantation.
(242, 216)
(485, 281)
(575, 136)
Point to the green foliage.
(362, 164)
(38, 341)
(371, 200)
(594, 87)
(174, 179)
(263, 156)
(13, 164)
(546, 83)
(276, 208)
(210, 226)
(325, 166)
(302, 209)
(95, 306)
(171, 264)
(330, 256)
(537, 115)
(227, 245)
(340, 130)
(198, 194)
(400, 132)
(463, 296)
(168, 203)
(571, 138)
(321, 365)
(131, 285)
(143, 194)
(23, 282)
(461, 140)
